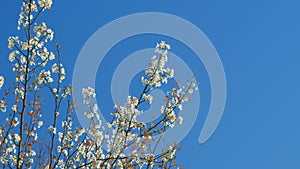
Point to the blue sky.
(258, 43)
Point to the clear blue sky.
(258, 42)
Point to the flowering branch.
(27, 139)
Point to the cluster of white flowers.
(45, 77)
(12, 41)
(43, 31)
(23, 18)
(26, 16)
(128, 113)
(60, 70)
(30, 7)
(88, 92)
(45, 3)
(19, 91)
(157, 73)
(12, 55)
(174, 100)
(148, 98)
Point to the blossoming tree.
(27, 140)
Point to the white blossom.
(12, 41)
(2, 106)
(16, 137)
(40, 123)
(45, 3)
(55, 68)
(148, 98)
(12, 55)
(14, 108)
(62, 74)
(180, 120)
(52, 129)
(1, 81)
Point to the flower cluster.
(45, 3)
(42, 31)
(174, 100)
(157, 73)
(1, 81)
